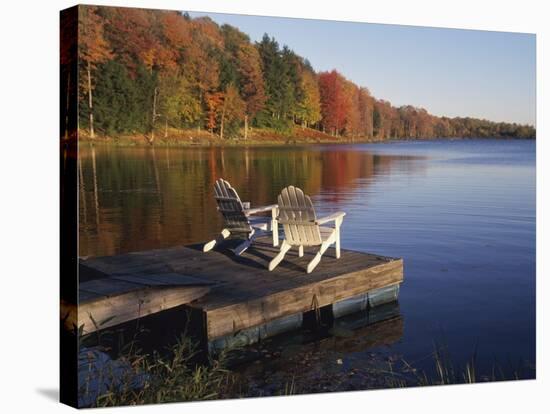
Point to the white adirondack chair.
(238, 221)
(303, 228)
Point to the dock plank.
(85, 296)
(113, 288)
(163, 279)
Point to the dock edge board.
(352, 305)
(234, 318)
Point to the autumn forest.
(152, 73)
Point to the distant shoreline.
(299, 136)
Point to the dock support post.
(317, 318)
(199, 331)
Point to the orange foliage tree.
(93, 49)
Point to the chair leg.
(337, 243)
(300, 251)
(275, 230)
(315, 261)
(241, 248)
(285, 247)
(221, 237)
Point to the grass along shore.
(173, 377)
(133, 375)
(256, 137)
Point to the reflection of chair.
(237, 218)
(302, 228)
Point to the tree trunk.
(90, 101)
(371, 126)
(222, 121)
(166, 128)
(154, 116)
(246, 127)
(199, 122)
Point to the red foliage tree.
(334, 104)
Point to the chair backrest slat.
(231, 207)
(297, 215)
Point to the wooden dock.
(231, 294)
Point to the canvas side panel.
(68, 201)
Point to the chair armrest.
(263, 209)
(333, 217)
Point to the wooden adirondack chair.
(238, 221)
(303, 228)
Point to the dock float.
(233, 298)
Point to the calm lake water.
(460, 213)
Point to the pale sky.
(449, 72)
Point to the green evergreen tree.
(116, 105)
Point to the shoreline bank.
(264, 138)
(256, 137)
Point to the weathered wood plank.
(130, 264)
(107, 312)
(163, 279)
(85, 296)
(110, 287)
(86, 272)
